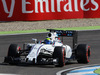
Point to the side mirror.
(35, 40)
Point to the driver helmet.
(52, 35)
(48, 41)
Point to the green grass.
(44, 30)
(24, 31)
(97, 71)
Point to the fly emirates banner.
(30, 10)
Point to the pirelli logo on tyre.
(48, 9)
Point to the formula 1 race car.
(49, 51)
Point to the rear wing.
(66, 33)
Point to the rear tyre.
(59, 54)
(13, 53)
(83, 53)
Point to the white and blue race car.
(49, 51)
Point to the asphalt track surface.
(92, 38)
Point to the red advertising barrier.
(30, 10)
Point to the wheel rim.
(88, 54)
(64, 56)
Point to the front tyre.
(13, 54)
(13, 50)
(83, 53)
(59, 54)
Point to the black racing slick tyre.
(83, 53)
(13, 50)
(13, 53)
(59, 54)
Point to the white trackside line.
(80, 73)
(87, 68)
(59, 73)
